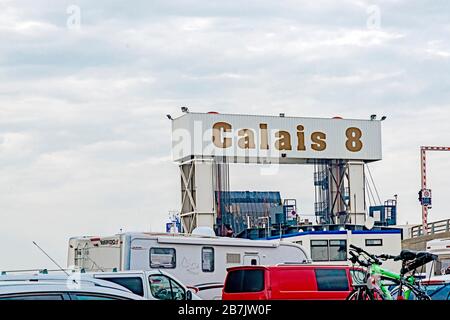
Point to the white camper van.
(197, 261)
(441, 248)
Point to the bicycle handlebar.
(371, 256)
(387, 257)
(355, 259)
(357, 249)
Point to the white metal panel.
(192, 136)
(204, 187)
(357, 192)
(220, 241)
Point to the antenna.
(52, 259)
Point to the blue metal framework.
(244, 209)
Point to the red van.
(288, 282)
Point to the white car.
(61, 287)
(152, 285)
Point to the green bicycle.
(374, 285)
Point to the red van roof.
(295, 266)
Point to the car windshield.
(438, 291)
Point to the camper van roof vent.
(204, 231)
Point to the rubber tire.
(353, 296)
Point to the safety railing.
(433, 228)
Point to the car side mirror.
(188, 295)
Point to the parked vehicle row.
(198, 261)
(206, 267)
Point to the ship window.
(374, 242)
(163, 258)
(332, 250)
(208, 259)
(233, 258)
(338, 250)
(319, 250)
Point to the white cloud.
(84, 142)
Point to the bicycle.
(374, 286)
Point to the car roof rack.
(39, 271)
(42, 278)
(294, 263)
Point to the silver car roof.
(73, 279)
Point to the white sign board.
(271, 139)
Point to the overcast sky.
(85, 87)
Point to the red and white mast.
(424, 190)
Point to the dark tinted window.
(245, 281)
(37, 296)
(332, 280)
(134, 284)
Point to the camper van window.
(163, 258)
(208, 259)
(319, 250)
(442, 265)
(338, 250)
(374, 242)
(233, 258)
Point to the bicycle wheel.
(354, 295)
(416, 294)
(364, 294)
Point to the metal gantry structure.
(204, 144)
(425, 193)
